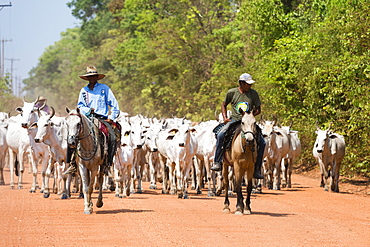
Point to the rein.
(85, 155)
(251, 146)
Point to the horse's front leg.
(85, 180)
(247, 209)
(239, 194)
(99, 203)
(225, 185)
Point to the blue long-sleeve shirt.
(100, 98)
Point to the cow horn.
(291, 124)
(38, 112)
(43, 105)
(317, 126)
(329, 126)
(38, 97)
(24, 100)
(274, 119)
(52, 112)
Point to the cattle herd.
(174, 152)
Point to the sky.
(32, 26)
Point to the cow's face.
(44, 126)
(321, 140)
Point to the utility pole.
(5, 5)
(14, 85)
(2, 57)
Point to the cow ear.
(333, 136)
(33, 126)
(67, 110)
(19, 109)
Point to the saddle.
(233, 129)
(230, 133)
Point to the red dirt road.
(304, 215)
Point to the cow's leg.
(289, 173)
(178, 178)
(12, 163)
(2, 182)
(277, 175)
(197, 175)
(284, 162)
(20, 170)
(34, 163)
(335, 177)
(152, 172)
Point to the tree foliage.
(177, 58)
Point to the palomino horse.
(85, 136)
(242, 156)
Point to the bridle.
(84, 155)
(248, 144)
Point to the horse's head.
(248, 126)
(74, 126)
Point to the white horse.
(84, 135)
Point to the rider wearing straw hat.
(95, 100)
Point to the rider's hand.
(227, 120)
(109, 120)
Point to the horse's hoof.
(99, 204)
(20, 187)
(64, 196)
(226, 210)
(46, 195)
(186, 197)
(247, 212)
(210, 194)
(81, 195)
(87, 212)
(2, 183)
(238, 213)
(116, 195)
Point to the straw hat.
(91, 70)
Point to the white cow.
(288, 161)
(180, 154)
(152, 155)
(278, 144)
(205, 155)
(52, 131)
(329, 151)
(20, 143)
(139, 154)
(124, 160)
(4, 117)
(3, 150)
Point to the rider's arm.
(224, 112)
(257, 111)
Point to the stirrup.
(216, 167)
